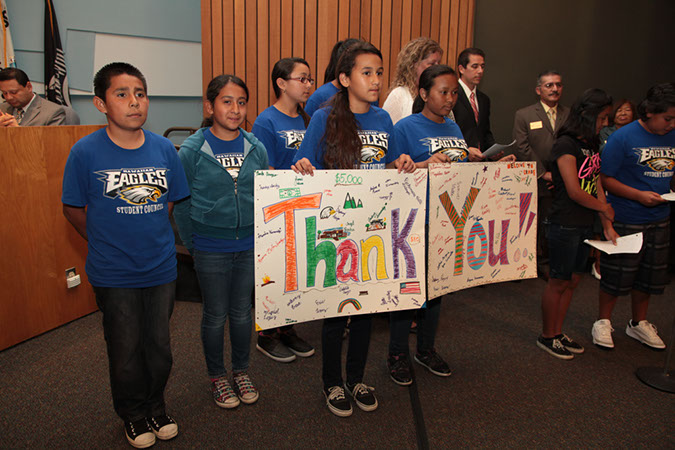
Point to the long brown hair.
(343, 144)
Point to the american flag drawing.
(411, 287)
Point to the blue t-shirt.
(641, 160)
(375, 130)
(322, 95)
(231, 155)
(280, 134)
(421, 137)
(126, 193)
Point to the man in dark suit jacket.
(535, 135)
(23, 107)
(477, 133)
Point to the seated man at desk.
(23, 107)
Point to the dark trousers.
(136, 330)
(427, 324)
(357, 352)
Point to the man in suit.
(23, 107)
(472, 109)
(534, 130)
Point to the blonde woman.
(413, 58)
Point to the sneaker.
(570, 345)
(272, 347)
(139, 434)
(164, 427)
(602, 333)
(554, 347)
(399, 369)
(645, 332)
(223, 394)
(363, 396)
(337, 402)
(296, 344)
(245, 390)
(433, 362)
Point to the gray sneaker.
(645, 332)
(271, 346)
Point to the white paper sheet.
(631, 243)
(669, 196)
(496, 148)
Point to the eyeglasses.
(550, 85)
(304, 80)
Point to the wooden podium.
(37, 242)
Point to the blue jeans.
(226, 281)
(136, 330)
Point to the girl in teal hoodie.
(216, 225)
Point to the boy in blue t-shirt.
(119, 186)
(637, 169)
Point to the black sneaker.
(363, 396)
(164, 427)
(337, 402)
(433, 363)
(296, 344)
(554, 347)
(399, 369)
(139, 434)
(570, 345)
(271, 346)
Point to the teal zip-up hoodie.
(218, 206)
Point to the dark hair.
(335, 54)
(283, 69)
(427, 80)
(619, 104)
(581, 122)
(463, 58)
(658, 100)
(214, 88)
(105, 74)
(343, 144)
(12, 73)
(546, 73)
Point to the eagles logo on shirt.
(659, 159)
(455, 149)
(134, 186)
(293, 138)
(374, 146)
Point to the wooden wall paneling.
(327, 32)
(435, 30)
(452, 44)
(207, 64)
(470, 22)
(396, 37)
(406, 22)
(425, 25)
(217, 35)
(274, 43)
(376, 23)
(415, 19)
(366, 11)
(286, 30)
(355, 19)
(239, 25)
(343, 20)
(299, 29)
(445, 28)
(228, 36)
(463, 38)
(385, 47)
(310, 39)
(264, 42)
(251, 74)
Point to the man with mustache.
(534, 130)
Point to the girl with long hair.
(333, 141)
(216, 225)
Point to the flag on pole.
(56, 79)
(6, 47)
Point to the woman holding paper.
(578, 194)
(637, 169)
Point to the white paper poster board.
(338, 243)
(482, 224)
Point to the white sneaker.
(602, 333)
(645, 332)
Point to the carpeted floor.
(504, 392)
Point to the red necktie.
(472, 98)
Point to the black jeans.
(136, 330)
(357, 352)
(427, 324)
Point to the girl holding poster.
(334, 140)
(216, 225)
(281, 128)
(577, 195)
